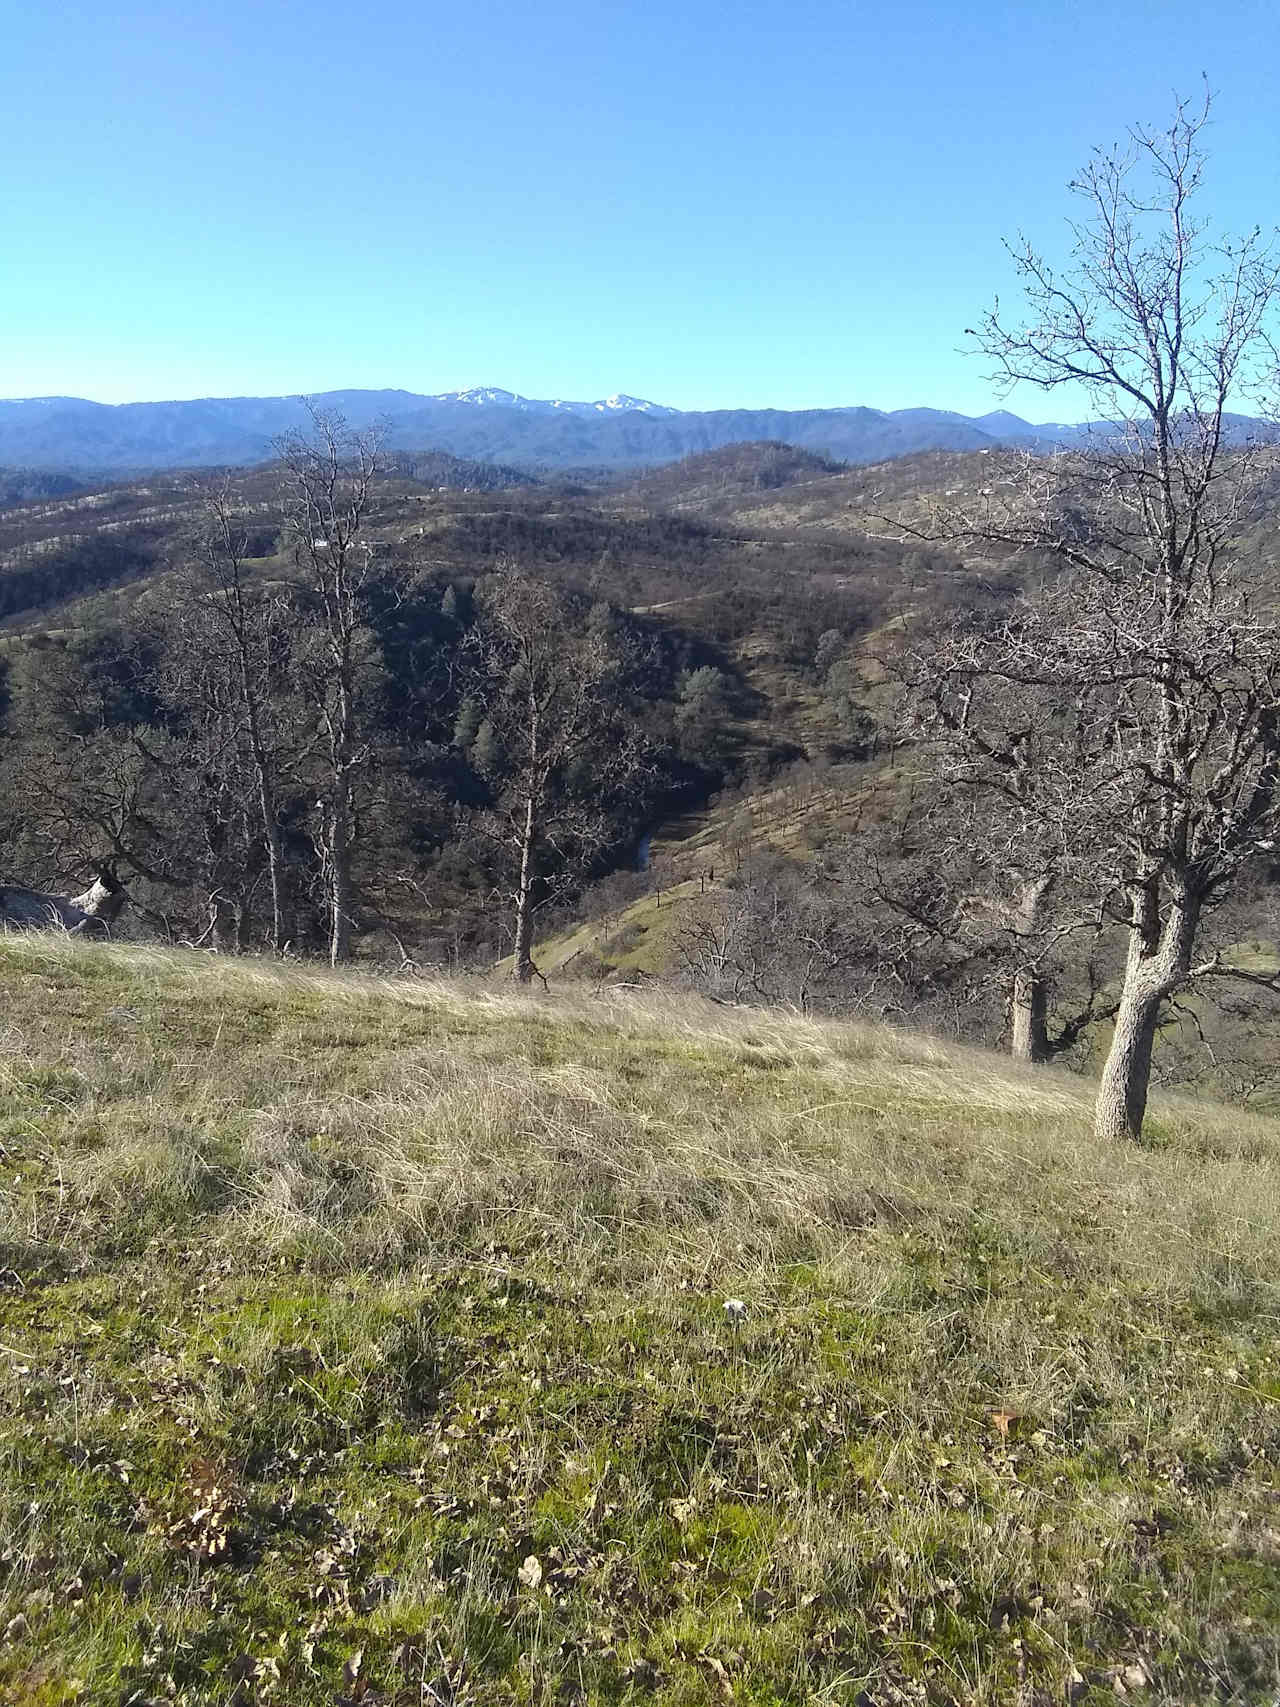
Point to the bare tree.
(1139, 693)
(993, 826)
(200, 764)
(244, 619)
(85, 784)
(328, 487)
(551, 680)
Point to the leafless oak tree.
(241, 617)
(329, 477)
(550, 681)
(1131, 712)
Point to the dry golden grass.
(444, 1264)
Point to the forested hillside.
(133, 612)
(737, 808)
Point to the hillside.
(760, 517)
(367, 1342)
(27, 485)
(760, 563)
(723, 479)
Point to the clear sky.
(706, 203)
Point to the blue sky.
(709, 204)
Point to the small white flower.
(735, 1310)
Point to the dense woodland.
(159, 666)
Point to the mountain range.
(487, 424)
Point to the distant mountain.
(71, 433)
(493, 396)
(488, 424)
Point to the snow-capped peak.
(494, 396)
(621, 402)
(481, 394)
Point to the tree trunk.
(1030, 1039)
(275, 868)
(1151, 976)
(1030, 1000)
(524, 970)
(340, 884)
(266, 803)
(1126, 1078)
(223, 921)
(340, 724)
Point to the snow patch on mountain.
(491, 396)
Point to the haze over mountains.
(487, 424)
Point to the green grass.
(366, 1342)
(699, 853)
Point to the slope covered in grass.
(367, 1342)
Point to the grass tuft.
(366, 1341)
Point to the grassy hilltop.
(366, 1342)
